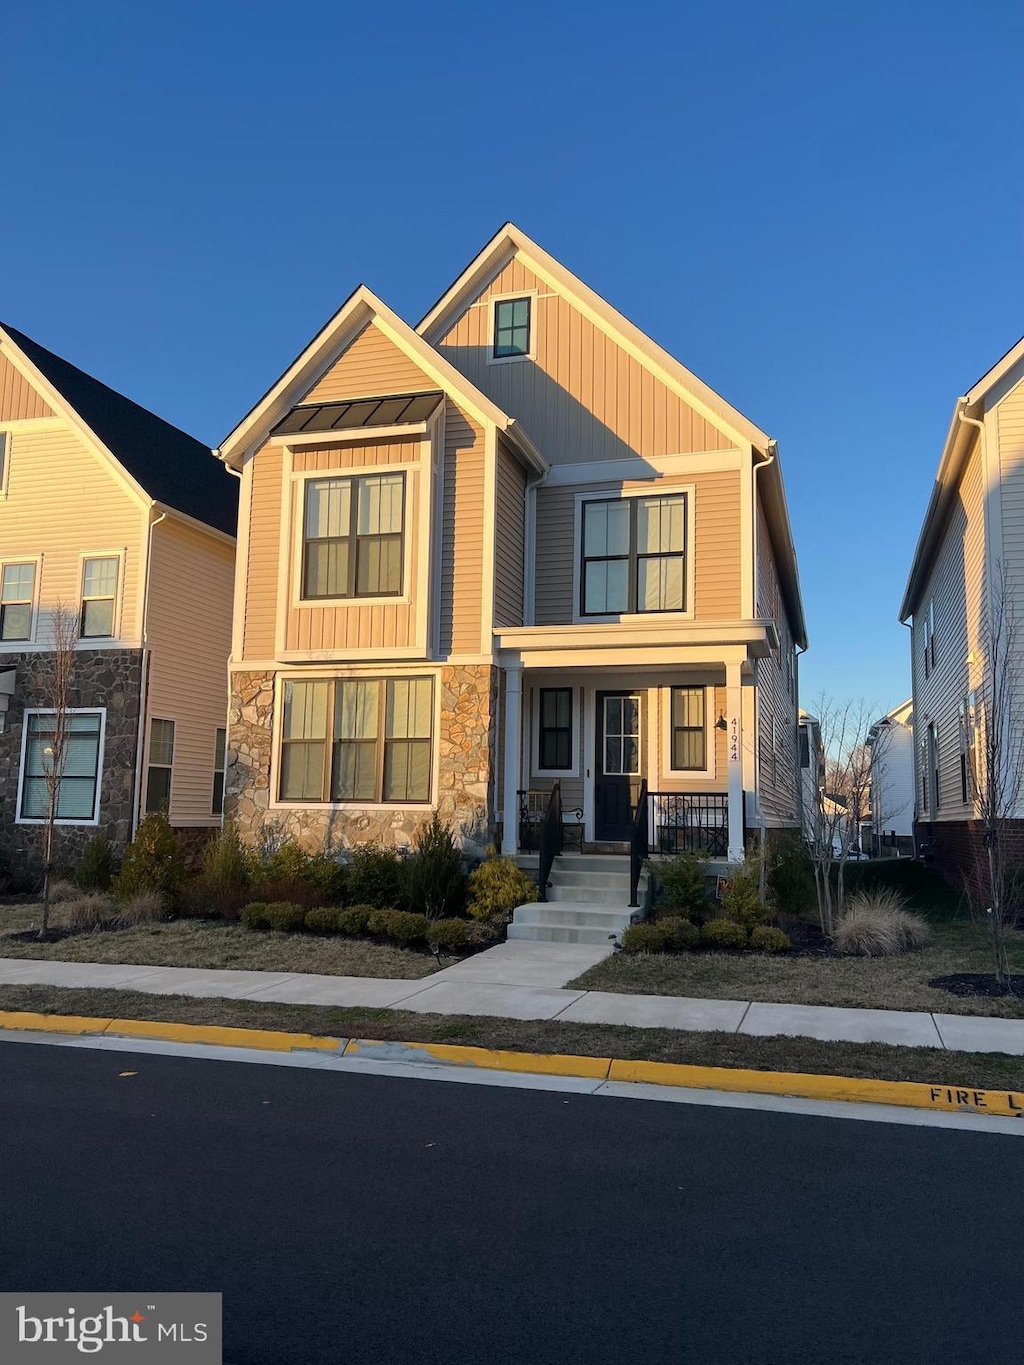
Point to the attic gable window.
(512, 328)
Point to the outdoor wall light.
(721, 723)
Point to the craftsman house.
(516, 547)
(121, 521)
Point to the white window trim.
(306, 675)
(298, 481)
(172, 721)
(6, 444)
(656, 490)
(97, 641)
(17, 646)
(535, 768)
(71, 711)
(669, 773)
(533, 295)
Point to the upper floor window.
(689, 729)
(353, 540)
(17, 595)
(78, 736)
(634, 555)
(928, 635)
(99, 595)
(511, 328)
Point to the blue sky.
(819, 209)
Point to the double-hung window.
(99, 595)
(634, 555)
(17, 596)
(352, 537)
(511, 328)
(69, 756)
(689, 729)
(555, 737)
(220, 750)
(357, 740)
(161, 764)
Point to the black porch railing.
(638, 844)
(549, 839)
(691, 822)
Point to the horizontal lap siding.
(1010, 419)
(189, 629)
(462, 559)
(18, 399)
(583, 397)
(776, 700)
(265, 549)
(509, 539)
(372, 366)
(63, 501)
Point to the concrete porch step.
(544, 933)
(577, 862)
(585, 916)
(564, 876)
(583, 895)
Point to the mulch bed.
(807, 939)
(53, 935)
(978, 984)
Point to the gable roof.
(956, 451)
(172, 468)
(360, 309)
(511, 241)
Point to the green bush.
(767, 939)
(322, 919)
(644, 938)
(96, 868)
(281, 915)
(353, 920)
(680, 934)
(373, 876)
(682, 883)
(379, 921)
(229, 872)
(433, 878)
(723, 933)
(404, 926)
(319, 877)
(496, 887)
(742, 901)
(153, 861)
(791, 875)
(446, 935)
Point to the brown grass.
(873, 1060)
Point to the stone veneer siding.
(465, 749)
(107, 678)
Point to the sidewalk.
(523, 980)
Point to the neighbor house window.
(361, 739)
(933, 768)
(99, 593)
(805, 749)
(511, 328)
(161, 763)
(17, 594)
(634, 555)
(555, 739)
(353, 542)
(220, 750)
(77, 772)
(689, 729)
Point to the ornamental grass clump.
(876, 924)
(89, 912)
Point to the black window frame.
(220, 750)
(554, 732)
(163, 800)
(353, 539)
(805, 748)
(702, 729)
(505, 351)
(633, 556)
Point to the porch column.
(512, 751)
(734, 708)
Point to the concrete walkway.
(523, 980)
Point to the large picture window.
(353, 538)
(634, 555)
(689, 729)
(78, 773)
(554, 749)
(357, 739)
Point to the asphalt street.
(353, 1218)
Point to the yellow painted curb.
(267, 1039)
(52, 1023)
(491, 1059)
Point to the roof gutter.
(795, 606)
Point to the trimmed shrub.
(722, 934)
(742, 902)
(92, 911)
(378, 921)
(765, 938)
(145, 907)
(446, 935)
(354, 919)
(680, 934)
(403, 926)
(153, 861)
(682, 882)
(254, 915)
(433, 878)
(373, 876)
(284, 916)
(313, 878)
(96, 867)
(644, 938)
(322, 919)
(496, 887)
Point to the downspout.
(235, 473)
(144, 684)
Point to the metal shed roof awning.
(404, 409)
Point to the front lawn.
(889, 983)
(214, 944)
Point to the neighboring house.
(969, 557)
(517, 545)
(124, 521)
(890, 831)
(811, 757)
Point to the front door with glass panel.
(619, 763)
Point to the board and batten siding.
(716, 543)
(583, 397)
(64, 502)
(509, 538)
(19, 400)
(462, 527)
(191, 580)
(372, 366)
(776, 712)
